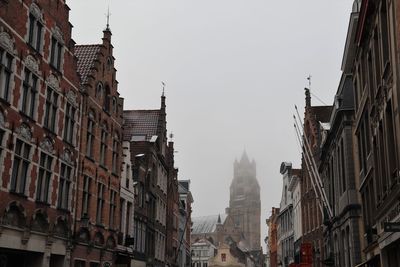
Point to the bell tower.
(245, 204)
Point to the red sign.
(306, 253)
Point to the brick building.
(312, 217)
(97, 210)
(39, 136)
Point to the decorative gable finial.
(163, 88)
(108, 18)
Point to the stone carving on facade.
(31, 63)
(6, 42)
(53, 82)
(67, 157)
(72, 98)
(25, 132)
(57, 34)
(35, 11)
(47, 145)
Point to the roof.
(86, 54)
(206, 224)
(140, 123)
(322, 113)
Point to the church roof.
(206, 224)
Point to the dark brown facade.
(155, 174)
(39, 136)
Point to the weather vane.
(309, 81)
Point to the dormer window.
(35, 33)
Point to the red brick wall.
(14, 21)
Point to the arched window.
(99, 90)
(107, 99)
(114, 105)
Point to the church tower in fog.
(245, 205)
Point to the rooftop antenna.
(108, 18)
(163, 87)
(309, 81)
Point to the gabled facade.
(312, 217)
(285, 237)
(146, 132)
(39, 133)
(97, 221)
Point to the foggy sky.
(234, 69)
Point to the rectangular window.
(115, 156)
(94, 264)
(384, 33)
(64, 186)
(90, 138)
(29, 91)
(35, 32)
(377, 61)
(343, 166)
(55, 53)
(20, 168)
(69, 123)
(391, 143)
(128, 218)
(103, 147)
(5, 74)
(43, 184)
(86, 196)
(51, 109)
(1, 141)
(79, 263)
(100, 203)
(113, 206)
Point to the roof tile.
(86, 55)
